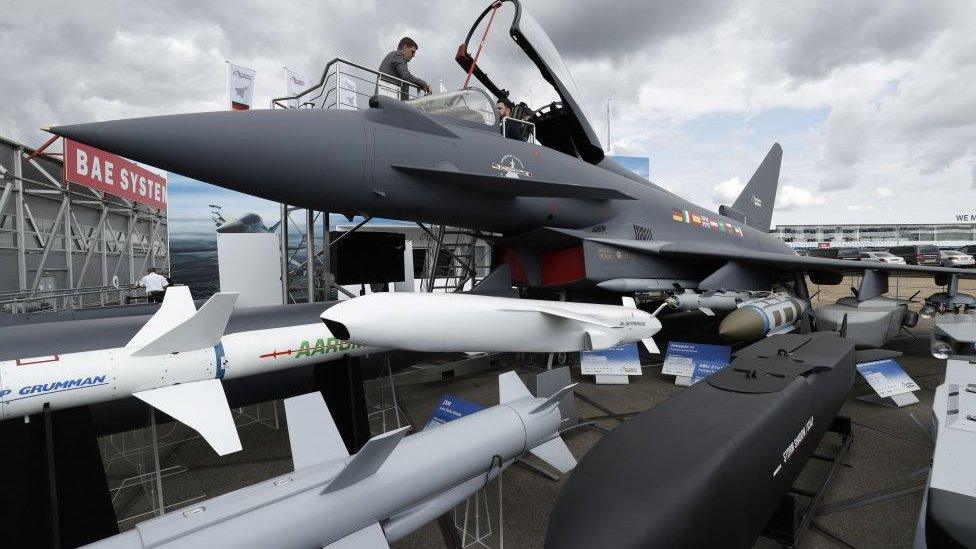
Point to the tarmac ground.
(873, 500)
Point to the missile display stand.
(792, 518)
(56, 493)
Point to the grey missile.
(391, 487)
(629, 285)
(707, 303)
(763, 317)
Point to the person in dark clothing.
(395, 64)
(511, 125)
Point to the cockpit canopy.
(468, 104)
(528, 68)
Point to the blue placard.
(620, 360)
(886, 377)
(695, 360)
(450, 408)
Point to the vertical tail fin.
(754, 206)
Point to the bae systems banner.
(240, 86)
(113, 175)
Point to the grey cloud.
(616, 29)
(818, 37)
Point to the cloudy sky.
(873, 101)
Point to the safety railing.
(65, 299)
(347, 85)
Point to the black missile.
(709, 466)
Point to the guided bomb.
(758, 318)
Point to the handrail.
(282, 102)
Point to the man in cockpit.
(512, 126)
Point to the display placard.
(886, 377)
(450, 408)
(688, 359)
(621, 360)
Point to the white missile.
(393, 486)
(174, 363)
(449, 322)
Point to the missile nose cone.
(290, 155)
(742, 325)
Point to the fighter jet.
(561, 214)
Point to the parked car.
(953, 258)
(971, 249)
(849, 254)
(882, 257)
(919, 254)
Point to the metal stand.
(56, 494)
(791, 519)
(341, 383)
(894, 401)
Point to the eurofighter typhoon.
(559, 213)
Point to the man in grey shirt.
(395, 64)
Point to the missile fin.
(510, 387)
(312, 433)
(200, 405)
(651, 346)
(368, 460)
(554, 399)
(707, 311)
(176, 309)
(371, 537)
(200, 331)
(784, 330)
(555, 453)
(559, 312)
(628, 302)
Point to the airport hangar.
(943, 235)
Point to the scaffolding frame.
(90, 231)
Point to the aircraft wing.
(780, 262)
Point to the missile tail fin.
(651, 345)
(177, 308)
(554, 399)
(555, 453)
(510, 387)
(371, 537)
(368, 460)
(628, 301)
(312, 433)
(707, 311)
(200, 405)
(203, 329)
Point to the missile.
(630, 285)
(175, 363)
(708, 304)
(756, 424)
(450, 322)
(393, 486)
(766, 316)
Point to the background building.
(69, 246)
(856, 236)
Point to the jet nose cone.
(289, 155)
(742, 325)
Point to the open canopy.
(517, 68)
